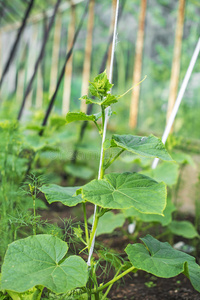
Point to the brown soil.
(136, 288)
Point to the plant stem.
(86, 226)
(109, 288)
(34, 215)
(101, 288)
(114, 158)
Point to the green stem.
(34, 215)
(86, 226)
(114, 158)
(101, 288)
(94, 226)
(109, 288)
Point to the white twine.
(179, 99)
(105, 122)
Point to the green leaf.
(183, 228)
(56, 193)
(107, 101)
(79, 171)
(164, 220)
(108, 222)
(145, 146)
(32, 294)
(166, 171)
(100, 86)
(161, 260)
(183, 158)
(40, 260)
(79, 116)
(126, 190)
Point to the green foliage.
(41, 260)
(161, 260)
(164, 220)
(126, 190)
(108, 222)
(55, 193)
(183, 228)
(145, 146)
(44, 260)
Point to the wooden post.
(176, 58)
(69, 65)
(137, 66)
(112, 24)
(32, 52)
(55, 55)
(39, 91)
(88, 52)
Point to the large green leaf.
(108, 222)
(145, 146)
(166, 171)
(161, 260)
(126, 190)
(56, 193)
(183, 228)
(164, 220)
(79, 116)
(40, 260)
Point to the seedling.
(42, 260)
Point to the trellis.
(34, 43)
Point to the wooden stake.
(39, 91)
(32, 52)
(112, 24)
(88, 52)
(55, 55)
(138, 66)
(176, 59)
(69, 66)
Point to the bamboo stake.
(31, 60)
(62, 73)
(88, 52)
(176, 59)
(16, 42)
(39, 17)
(39, 91)
(69, 65)
(55, 54)
(28, 89)
(138, 66)
(112, 24)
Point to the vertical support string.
(105, 122)
(179, 98)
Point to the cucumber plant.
(40, 261)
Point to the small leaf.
(56, 193)
(79, 116)
(100, 86)
(145, 146)
(109, 99)
(183, 228)
(164, 220)
(108, 222)
(161, 260)
(126, 190)
(40, 260)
